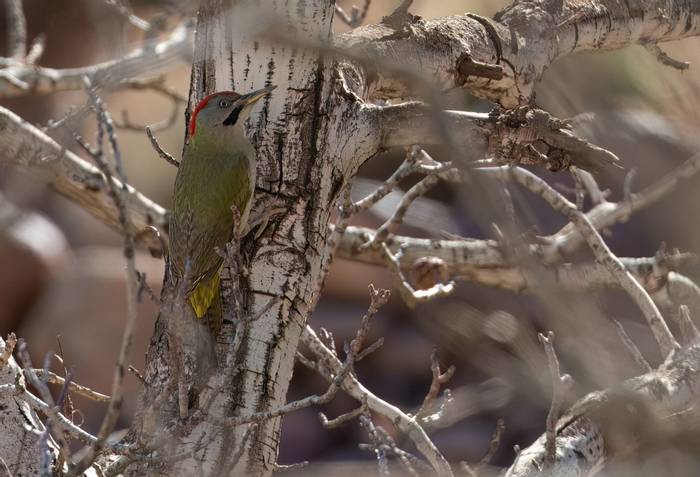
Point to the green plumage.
(216, 173)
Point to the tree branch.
(152, 58)
(29, 149)
(329, 365)
(500, 137)
(524, 40)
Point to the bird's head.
(225, 109)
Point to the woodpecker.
(217, 172)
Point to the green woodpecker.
(217, 172)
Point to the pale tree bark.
(301, 148)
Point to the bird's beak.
(251, 98)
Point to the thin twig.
(328, 365)
(600, 249)
(410, 295)
(663, 57)
(85, 391)
(161, 152)
(605, 214)
(632, 348)
(439, 379)
(558, 392)
(356, 17)
(343, 418)
(445, 171)
(689, 332)
(104, 124)
(494, 443)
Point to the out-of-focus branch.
(480, 261)
(152, 58)
(606, 214)
(559, 387)
(16, 25)
(356, 16)
(600, 250)
(119, 196)
(583, 444)
(31, 150)
(483, 262)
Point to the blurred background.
(62, 273)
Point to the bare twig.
(4, 469)
(689, 332)
(632, 348)
(663, 58)
(161, 152)
(125, 10)
(105, 125)
(602, 253)
(356, 17)
(157, 85)
(73, 386)
(389, 227)
(493, 443)
(61, 421)
(409, 294)
(343, 418)
(279, 468)
(52, 409)
(558, 391)
(154, 57)
(407, 167)
(10, 344)
(328, 365)
(377, 447)
(606, 213)
(439, 378)
(596, 195)
(378, 297)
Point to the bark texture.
(299, 139)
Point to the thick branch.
(29, 149)
(523, 40)
(483, 262)
(510, 136)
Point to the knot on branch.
(655, 276)
(426, 272)
(531, 136)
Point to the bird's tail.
(206, 303)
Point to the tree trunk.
(298, 146)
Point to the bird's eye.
(224, 103)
